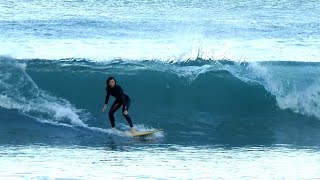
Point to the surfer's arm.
(107, 98)
(106, 101)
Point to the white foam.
(7, 103)
(175, 50)
(306, 101)
(298, 92)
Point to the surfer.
(122, 99)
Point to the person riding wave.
(121, 99)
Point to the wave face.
(194, 102)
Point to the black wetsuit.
(121, 99)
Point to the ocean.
(234, 86)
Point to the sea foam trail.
(19, 91)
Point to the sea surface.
(234, 86)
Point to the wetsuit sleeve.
(107, 98)
(123, 98)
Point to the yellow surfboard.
(142, 133)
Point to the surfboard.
(142, 133)
(135, 134)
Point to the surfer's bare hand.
(125, 112)
(104, 108)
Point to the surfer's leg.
(115, 106)
(128, 118)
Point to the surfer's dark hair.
(109, 79)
